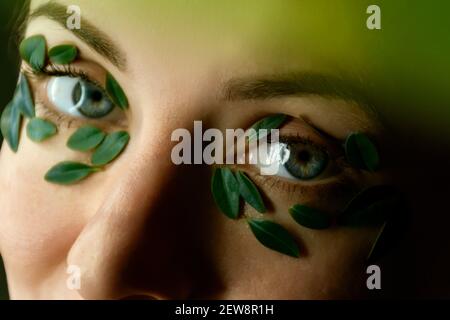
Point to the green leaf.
(371, 207)
(10, 124)
(274, 236)
(309, 217)
(361, 152)
(225, 190)
(250, 192)
(69, 172)
(271, 122)
(23, 97)
(110, 148)
(39, 129)
(115, 92)
(33, 51)
(86, 138)
(63, 54)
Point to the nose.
(145, 240)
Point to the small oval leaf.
(116, 92)
(33, 51)
(69, 172)
(361, 152)
(225, 190)
(86, 138)
(309, 217)
(39, 129)
(371, 207)
(268, 123)
(249, 192)
(63, 54)
(10, 124)
(274, 236)
(110, 148)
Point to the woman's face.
(145, 227)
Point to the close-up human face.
(129, 221)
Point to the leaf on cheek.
(10, 124)
(309, 217)
(39, 129)
(110, 148)
(274, 236)
(69, 172)
(86, 138)
(250, 192)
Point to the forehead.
(284, 34)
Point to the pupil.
(303, 156)
(96, 96)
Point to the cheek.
(40, 221)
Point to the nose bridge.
(135, 244)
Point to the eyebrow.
(294, 84)
(91, 35)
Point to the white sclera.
(60, 93)
(273, 160)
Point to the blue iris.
(305, 161)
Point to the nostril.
(138, 297)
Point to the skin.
(145, 228)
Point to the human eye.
(298, 159)
(68, 94)
(304, 158)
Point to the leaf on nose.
(249, 192)
(69, 172)
(116, 92)
(86, 138)
(225, 190)
(110, 148)
(39, 129)
(63, 54)
(33, 51)
(361, 152)
(309, 217)
(10, 124)
(268, 123)
(274, 236)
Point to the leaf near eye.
(116, 92)
(225, 190)
(69, 172)
(110, 148)
(33, 51)
(274, 236)
(268, 123)
(309, 217)
(371, 207)
(39, 129)
(10, 124)
(86, 138)
(361, 152)
(250, 192)
(63, 54)
(23, 97)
